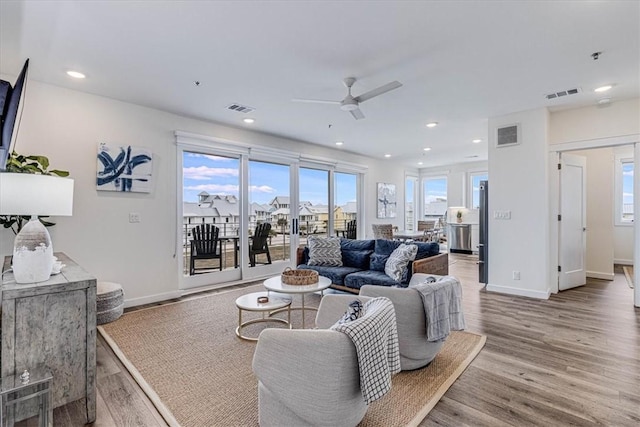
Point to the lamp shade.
(31, 194)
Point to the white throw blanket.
(442, 300)
(375, 336)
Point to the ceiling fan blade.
(378, 91)
(357, 114)
(315, 101)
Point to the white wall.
(580, 124)
(600, 236)
(614, 120)
(67, 126)
(519, 184)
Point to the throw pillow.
(378, 262)
(324, 251)
(396, 265)
(353, 312)
(357, 259)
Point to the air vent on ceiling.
(563, 93)
(508, 135)
(240, 108)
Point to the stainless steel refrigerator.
(483, 241)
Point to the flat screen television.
(11, 105)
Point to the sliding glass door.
(314, 212)
(210, 215)
(345, 201)
(243, 213)
(271, 218)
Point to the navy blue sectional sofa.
(363, 263)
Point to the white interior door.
(572, 226)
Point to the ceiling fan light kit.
(351, 103)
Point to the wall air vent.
(508, 135)
(562, 93)
(240, 108)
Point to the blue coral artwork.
(124, 168)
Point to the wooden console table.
(52, 325)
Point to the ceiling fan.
(351, 103)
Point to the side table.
(52, 325)
(32, 391)
(250, 302)
(275, 284)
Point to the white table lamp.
(31, 194)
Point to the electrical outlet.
(506, 215)
(516, 275)
(134, 217)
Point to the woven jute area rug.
(188, 360)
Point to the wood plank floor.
(571, 360)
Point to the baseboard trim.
(623, 261)
(133, 302)
(519, 291)
(600, 275)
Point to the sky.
(220, 175)
(627, 183)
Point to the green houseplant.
(459, 216)
(18, 163)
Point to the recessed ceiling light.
(603, 101)
(476, 141)
(419, 163)
(387, 155)
(603, 88)
(427, 149)
(248, 120)
(432, 124)
(76, 74)
(339, 142)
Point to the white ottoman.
(110, 302)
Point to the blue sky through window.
(627, 183)
(220, 175)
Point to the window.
(624, 191)
(210, 195)
(409, 202)
(474, 188)
(345, 200)
(435, 197)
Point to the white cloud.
(214, 188)
(628, 173)
(261, 189)
(625, 195)
(205, 173)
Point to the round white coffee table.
(275, 284)
(250, 302)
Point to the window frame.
(620, 161)
(472, 175)
(423, 187)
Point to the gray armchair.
(308, 378)
(415, 351)
(317, 377)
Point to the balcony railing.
(279, 242)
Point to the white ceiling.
(460, 62)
